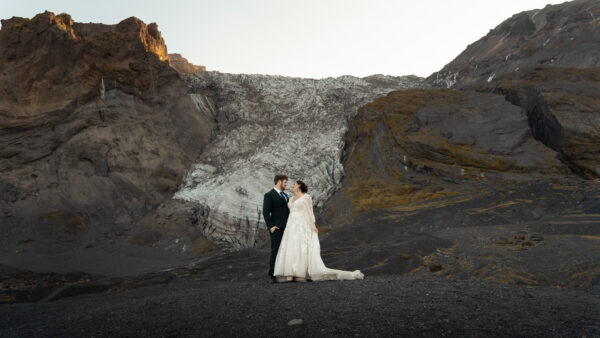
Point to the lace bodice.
(303, 205)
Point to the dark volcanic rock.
(51, 63)
(564, 35)
(96, 131)
(562, 106)
(477, 174)
(446, 133)
(426, 163)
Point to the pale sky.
(304, 38)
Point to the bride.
(299, 256)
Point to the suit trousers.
(275, 241)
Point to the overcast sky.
(305, 38)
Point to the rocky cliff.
(109, 141)
(564, 35)
(96, 130)
(562, 106)
(493, 178)
(182, 65)
(50, 61)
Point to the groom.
(275, 213)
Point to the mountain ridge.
(112, 149)
(563, 35)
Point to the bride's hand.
(315, 230)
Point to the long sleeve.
(308, 203)
(267, 210)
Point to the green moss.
(202, 245)
(379, 194)
(7, 298)
(108, 68)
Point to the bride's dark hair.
(303, 186)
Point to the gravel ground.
(388, 305)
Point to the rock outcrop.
(433, 178)
(182, 65)
(413, 148)
(546, 61)
(96, 131)
(562, 105)
(50, 62)
(564, 35)
(508, 150)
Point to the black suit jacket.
(275, 210)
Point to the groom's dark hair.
(280, 177)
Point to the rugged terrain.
(97, 130)
(266, 125)
(101, 128)
(148, 177)
(564, 35)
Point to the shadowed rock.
(96, 130)
(562, 106)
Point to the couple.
(295, 248)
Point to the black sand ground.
(524, 262)
(378, 306)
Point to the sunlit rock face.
(564, 35)
(51, 63)
(182, 65)
(268, 125)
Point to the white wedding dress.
(299, 253)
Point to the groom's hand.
(274, 228)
